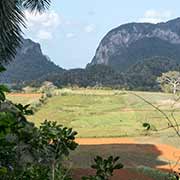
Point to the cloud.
(90, 28)
(153, 16)
(70, 35)
(42, 26)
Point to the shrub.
(104, 168)
(27, 152)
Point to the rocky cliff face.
(133, 42)
(29, 64)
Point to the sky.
(71, 30)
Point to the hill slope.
(29, 64)
(125, 45)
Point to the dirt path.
(135, 150)
(98, 141)
(25, 94)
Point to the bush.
(28, 152)
(104, 168)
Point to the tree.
(170, 79)
(12, 19)
(28, 152)
(55, 142)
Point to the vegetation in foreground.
(28, 152)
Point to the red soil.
(165, 152)
(118, 175)
(98, 141)
(25, 94)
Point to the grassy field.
(24, 98)
(103, 113)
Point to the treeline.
(93, 76)
(143, 75)
(140, 76)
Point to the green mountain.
(128, 44)
(30, 64)
(131, 56)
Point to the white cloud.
(47, 19)
(70, 35)
(153, 16)
(42, 26)
(90, 28)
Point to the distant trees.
(170, 80)
(140, 76)
(143, 75)
(100, 75)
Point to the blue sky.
(71, 30)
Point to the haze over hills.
(130, 56)
(127, 44)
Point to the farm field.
(100, 113)
(23, 98)
(143, 158)
(110, 123)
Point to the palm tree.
(12, 19)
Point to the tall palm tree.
(12, 19)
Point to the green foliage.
(55, 142)
(39, 103)
(156, 174)
(104, 168)
(3, 89)
(95, 76)
(57, 137)
(172, 177)
(16, 135)
(12, 20)
(141, 75)
(147, 126)
(23, 146)
(27, 152)
(2, 68)
(24, 109)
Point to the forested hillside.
(131, 57)
(130, 43)
(29, 64)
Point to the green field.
(110, 113)
(24, 98)
(104, 113)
